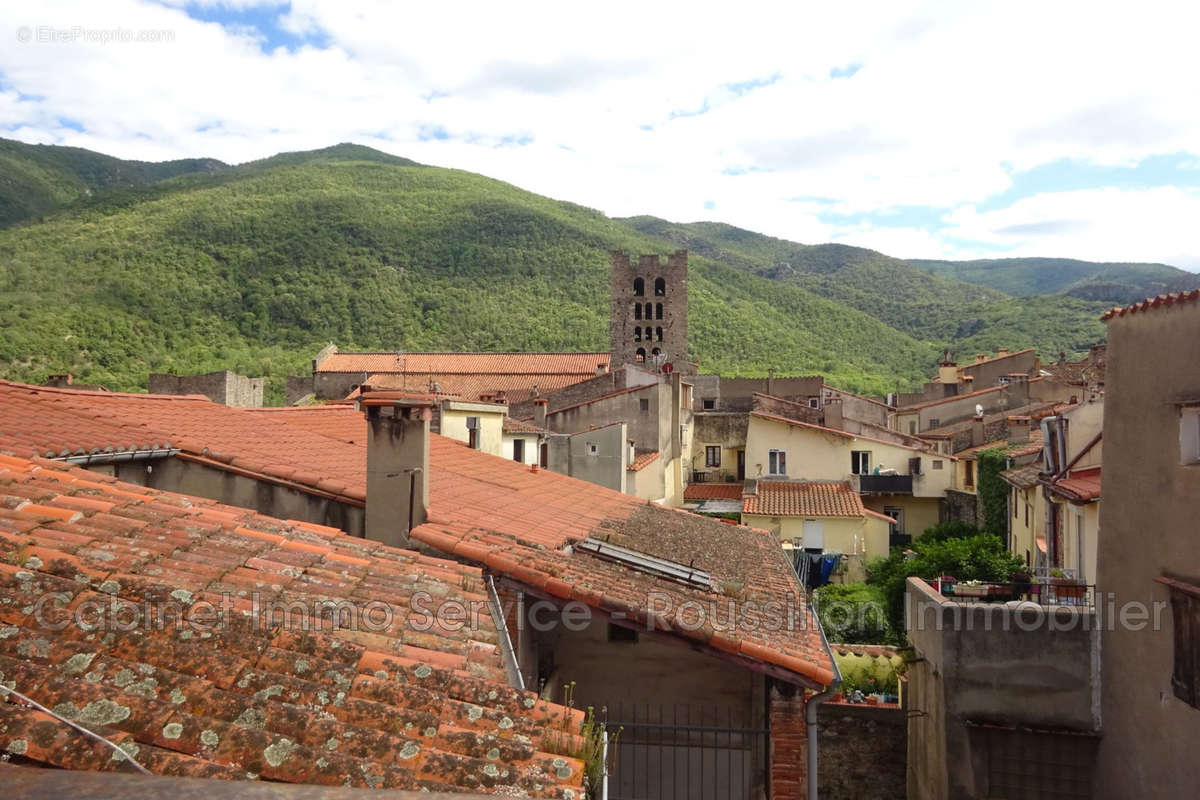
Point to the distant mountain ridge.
(111, 269)
(1112, 282)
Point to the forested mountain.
(121, 268)
(1109, 282)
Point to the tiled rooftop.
(1081, 485)
(1014, 450)
(521, 426)
(472, 495)
(1024, 477)
(582, 364)
(713, 491)
(643, 460)
(804, 499)
(1151, 303)
(843, 434)
(515, 387)
(226, 690)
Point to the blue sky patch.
(263, 20)
(847, 71)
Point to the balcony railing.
(884, 484)
(1057, 592)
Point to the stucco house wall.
(1149, 530)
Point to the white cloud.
(950, 99)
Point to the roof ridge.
(95, 393)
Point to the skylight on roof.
(652, 565)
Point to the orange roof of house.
(224, 690)
(520, 426)
(1081, 485)
(713, 491)
(472, 495)
(337, 421)
(582, 364)
(515, 388)
(643, 460)
(1014, 450)
(1151, 303)
(804, 499)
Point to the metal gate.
(684, 753)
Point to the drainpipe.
(810, 714)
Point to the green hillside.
(39, 179)
(1115, 282)
(255, 267)
(964, 316)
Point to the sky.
(923, 130)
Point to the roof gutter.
(122, 455)
(511, 665)
(810, 712)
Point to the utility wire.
(79, 728)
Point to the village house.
(1148, 553)
(983, 372)
(906, 482)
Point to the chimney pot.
(977, 430)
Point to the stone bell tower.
(647, 325)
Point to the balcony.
(883, 484)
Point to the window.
(658, 310)
(897, 515)
(639, 287)
(860, 462)
(969, 481)
(912, 429)
(637, 333)
(644, 404)
(708, 403)
(660, 287)
(1013, 500)
(1189, 436)
(640, 355)
(658, 334)
(473, 432)
(814, 402)
(777, 462)
(519, 450)
(649, 310)
(637, 310)
(1028, 508)
(937, 463)
(712, 455)
(593, 449)
(934, 422)
(619, 633)
(1185, 618)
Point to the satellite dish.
(978, 410)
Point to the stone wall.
(224, 387)
(297, 388)
(963, 506)
(862, 751)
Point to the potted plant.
(1066, 588)
(946, 584)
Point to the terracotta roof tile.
(1081, 485)
(713, 491)
(643, 460)
(804, 499)
(490, 509)
(521, 426)
(222, 693)
(584, 364)
(1151, 303)
(1024, 477)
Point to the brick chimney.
(980, 358)
(397, 462)
(1018, 429)
(1001, 352)
(977, 431)
(539, 411)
